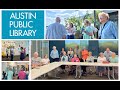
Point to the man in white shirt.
(56, 30)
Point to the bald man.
(56, 30)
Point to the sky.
(115, 41)
(72, 41)
(52, 14)
(78, 41)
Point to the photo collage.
(60, 44)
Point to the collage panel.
(15, 50)
(74, 60)
(81, 24)
(15, 70)
(61, 44)
(23, 24)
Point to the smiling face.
(46, 56)
(70, 49)
(101, 55)
(62, 49)
(64, 53)
(75, 56)
(107, 49)
(35, 54)
(90, 53)
(54, 47)
(71, 25)
(113, 55)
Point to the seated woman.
(70, 54)
(101, 59)
(75, 58)
(73, 68)
(61, 53)
(45, 60)
(90, 58)
(36, 60)
(64, 58)
(113, 59)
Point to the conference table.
(39, 71)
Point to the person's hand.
(64, 37)
(90, 34)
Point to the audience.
(101, 59)
(77, 51)
(45, 60)
(61, 53)
(113, 59)
(70, 53)
(64, 58)
(84, 58)
(90, 58)
(54, 54)
(107, 54)
(36, 60)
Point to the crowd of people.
(38, 61)
(107, 30)
(76, 55)
(10, 74)
(84, 55)
(10, 52)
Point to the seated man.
(36, 61)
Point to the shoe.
(79, 77)
(75, 77)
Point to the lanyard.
(103, 27)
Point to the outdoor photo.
(74, 60)
(15, 50)
(81, 24)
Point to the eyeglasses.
(101, 17)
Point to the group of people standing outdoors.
(10, 53)
(107, 29)
(84, 55)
